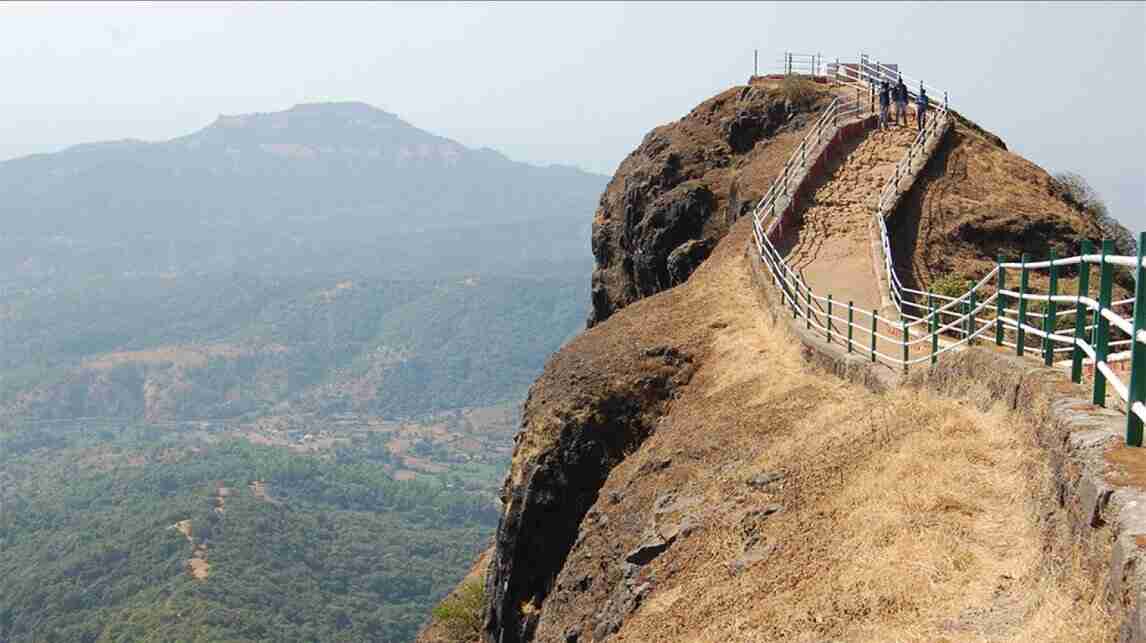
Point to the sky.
(577, 84)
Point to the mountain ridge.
(246, 188)
(677, 449)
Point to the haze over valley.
(579, 322)
(208, 344)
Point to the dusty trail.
(880, 517)
(832, 246)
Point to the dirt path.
(832, 247)
(817, 510)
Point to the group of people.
(898, 93)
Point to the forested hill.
(333, 186)
(231, 346)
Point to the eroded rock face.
(548, 493)
(655, 222)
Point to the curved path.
(832, 245)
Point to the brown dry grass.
(905, 517)
(197, 566)
(974, 200)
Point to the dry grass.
(800, 91)
(905, 517)
(977, 199)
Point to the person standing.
(884, 103)
(921, 103)
(901, 102)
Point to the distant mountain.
(307, 186)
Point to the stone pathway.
(832, 244)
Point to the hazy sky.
(570, 83)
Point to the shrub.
(798, 92)
(459, 616)
(1077, 192)
(951, 285)
(1063, 322)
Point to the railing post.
(1051, 311)
(999, 307)
(963, 318)
(795, 297)
(1137, 353)
(1080, 311)
(934, 327)
(930, 305)
(903, 326)
(851, 321)
(972, 327)
(873, 332)
(808, 310)
(1102, 327)
(1022, 334)
(829, 319)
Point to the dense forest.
(299, 547)
(260, 382)
(234, 345)
(131, 414)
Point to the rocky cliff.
(677, 194)
(682, 473)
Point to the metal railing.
(982, 310)
(820, 134)
(802, 64)
(866, 74)
(901, 296)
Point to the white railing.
(866, 74)
(821, 133)
(965, 319)
(888, 198)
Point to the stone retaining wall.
(814, 170)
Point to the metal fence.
(988, 312)
(802, 64)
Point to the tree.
(1076, 191)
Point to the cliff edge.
(677, 194)
(684, 473)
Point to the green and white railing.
(988, 312)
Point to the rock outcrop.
(974, 201)
(682, 473)
(584, 426)
(675, 196)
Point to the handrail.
(981, 308)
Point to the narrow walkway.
(831, 247)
